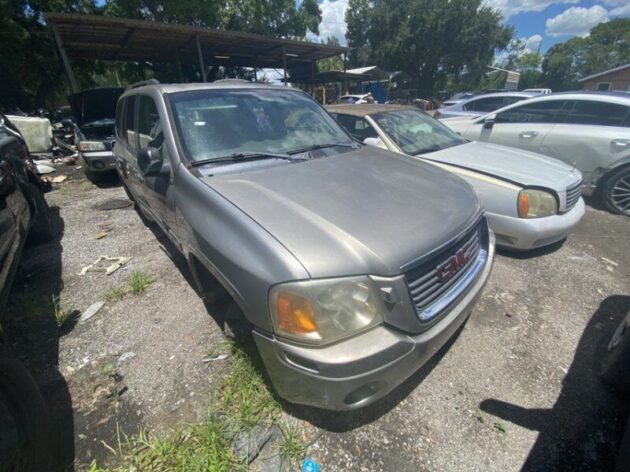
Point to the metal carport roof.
(121, 39)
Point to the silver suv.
(351, 265)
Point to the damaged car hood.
(514, 165)
(362, 212)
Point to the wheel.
(26, 440)
(616, 193)
(614, 367)
(42, 229)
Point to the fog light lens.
(98, 165)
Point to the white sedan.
(587, 130)
(530, 200)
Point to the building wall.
(619, 80)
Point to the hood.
(524, 168)
(367, 211)
(94, 105)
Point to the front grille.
(426, 287)
(574, 192)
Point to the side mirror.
(150, 161)
(488, 123)
(377, 142)
(7, 182)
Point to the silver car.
(587, 130)
(351, 265)
(531, 200)
(482, 104)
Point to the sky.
(544, 22)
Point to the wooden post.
(203, 68)
(64, 59)
(178, 62)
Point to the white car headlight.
(92, 146)
(321, 311)
(534, 203)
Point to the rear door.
(526, 125)
(594, 135)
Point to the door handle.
(528, 134)
(621, 143)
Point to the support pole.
(178, 62)
(64, 59)
(203, 68)
(284, 67)
(344, 86)
(313, 78)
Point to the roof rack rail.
(143, 83)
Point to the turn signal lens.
(523, 205)
(295, 314)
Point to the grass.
(63, 315)
(244, 399)
(137, 283)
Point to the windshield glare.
(415, 133)
(217, 123)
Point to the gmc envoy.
(351, 265)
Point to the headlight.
(321, 311)
(92, 146)
(536, 203)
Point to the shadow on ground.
(33, 332)
(583, 429)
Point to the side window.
(357, 126)
(129, 122)
(512, 100)
(589, 112)
(485, 104)
(120, 115)
(603, 86)
(549, 111)
(149, 126)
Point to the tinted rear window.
(590, 112)
(549, 111)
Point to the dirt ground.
(517, 389)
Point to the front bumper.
(358, 371)
(524, 234)
(98, 161)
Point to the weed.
(108, 368)
(115, 294)
(293, 449)
(63, 315)
(243, 394)
(499, 427)
(138, 282)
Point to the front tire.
(43, 229)
(26, 438)
(616, 192)
(614, 367)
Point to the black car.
(94, 113)
(24, 218)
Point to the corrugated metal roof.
(599, 74)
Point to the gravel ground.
(516, 390)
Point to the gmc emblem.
(453, 264)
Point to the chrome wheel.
(620, 195)
(617, 192)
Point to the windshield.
(217, 123)
(415, 132)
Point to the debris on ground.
(126, 356)
(96, 266)
(309, 465)
(220, 357)
(114, 204)
(92, 310)
(58, 179)
(44, 168)
(611, 262)
(101, 234)
(69, 160)
(248, 444)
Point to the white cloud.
(333, 20)
(532, 43)
(618, 7)
(511, 7)
(576, 21)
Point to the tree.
(427, 39)
(607, 46)
(32, 76)
(330, 63)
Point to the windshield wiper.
(243, 156)
(428, 149)
(314, 147)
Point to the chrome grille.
(574, 193)
(425, 286)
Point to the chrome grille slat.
(573, 194)
(424, 285)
